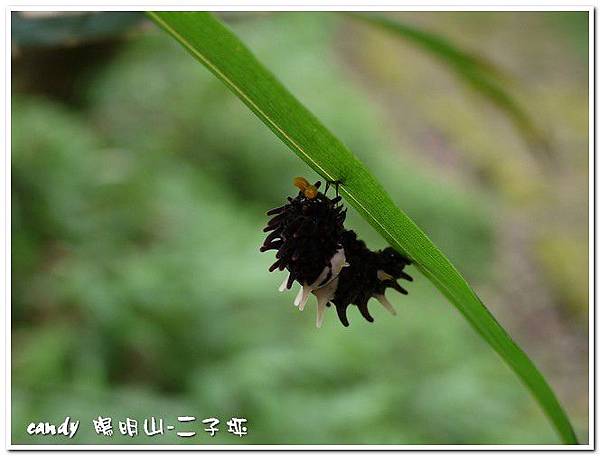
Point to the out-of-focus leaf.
(41, 29)
(477, 72)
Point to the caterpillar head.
(308, 190)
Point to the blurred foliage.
(568, 281)
(477, 72)
(138, 289)
(48, 28)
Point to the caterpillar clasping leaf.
(328, 260)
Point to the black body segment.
(306, 234)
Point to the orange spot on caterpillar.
(310, 191)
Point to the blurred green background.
(139, 192)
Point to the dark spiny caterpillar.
(328, 260)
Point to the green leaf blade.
(215, 46)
